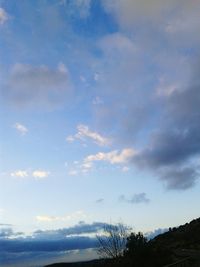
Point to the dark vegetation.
(181, 244)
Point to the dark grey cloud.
(172, 150)
(79, 229)
(135, 199)
(37, 86)
(32, 245)
(17, 247)
(179, 179)
(7, 232)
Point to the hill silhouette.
(178, 244)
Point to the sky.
(99, 122)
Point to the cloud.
(73, 172)
(97, 101)
(156, 113)
(125, 169)
(135, 199)
(83, 133)
(129, 12)
(113, 157)
(37, 86)
(80, 8)
(3, 16)
(100, 200)
(46, 218)
(37, 174)
(74, 216)
(156, 232)
(8, 233)
(83, 7)
(21, 128)
(19, 174)
(78, 229)
(172, 147)
(179, 179)
(40, 174)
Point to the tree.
(136, 243)
(112, 243)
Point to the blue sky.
(99, 117)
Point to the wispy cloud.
(113, 157)
(3, 16)
(135, 199)
(84, 133)
(37, 174)
(22, 129)
(45, 218)
(77, 215)
(100, 200)
(40, 174)
(19, 174)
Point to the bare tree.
(112, 243)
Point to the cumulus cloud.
(135, 199)
(3, 16)
(21, 128)
(83, 133)
(37, 86)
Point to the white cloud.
(70, 139)
(117, 42)
(77, 215)
(73, 172)
(125, 169)
(47, 218)
(19, 174)
(3, 16)
(85, 133)
(97, 101)
(20, 128)
(39, 174)
(113, 157)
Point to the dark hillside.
(186, 236)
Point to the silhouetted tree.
(112, 243)
(135, 243)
